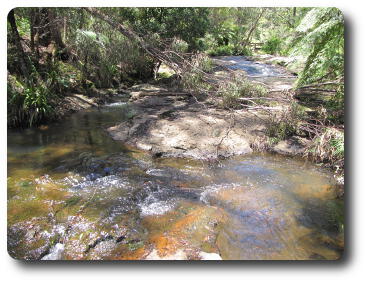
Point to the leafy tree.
(321, 40)
(187, 24)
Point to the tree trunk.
(54, 27)
(32, 30)
(24, 67)
(65, 28)
(247, 41)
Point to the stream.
(74, 193)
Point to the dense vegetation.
(53, 52)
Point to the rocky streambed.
(156, 189)
(167, 122)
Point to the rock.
(144, 146)
(30, 240)
(292, 146)
(170, 126)
(134, 95)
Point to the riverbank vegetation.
(55, 52)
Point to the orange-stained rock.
(165, 245)
(189, 231)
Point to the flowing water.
(74, 193)
(275, 77)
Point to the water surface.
(74, 193)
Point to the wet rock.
(30, 240)
(181, 255)
(102, 249)
(292, 146)
(185, 232)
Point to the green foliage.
(222, 50)
(204, 63)
(103, 58)
(28, 104)
(187, 24)
(163, 75)
(134, 245)
(193, 79)
(286, 124)
(322, 42)
(23, 26)
(329, 146)
(272, 45)
(232, 91)
(335, 106)
(245, 51)
(179, 45)
(227, 50)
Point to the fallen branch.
(321, 90)
(321, 84)
(262, 98)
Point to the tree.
(321, 39)
(254, 25)
(23, 61)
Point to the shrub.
(241, 87)
(179, 45)
(286, 124)
(193, 79)
(28, 104)
(222, 50)
(245, 51)
(272, 45)
(328, 147)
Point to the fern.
(322, 41)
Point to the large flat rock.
(175, 125)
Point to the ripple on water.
(274, 207)
(156, 208)
(102, 183)
(116, 104)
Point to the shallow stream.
(74, 193)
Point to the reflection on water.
(74, 193)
